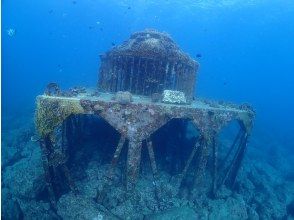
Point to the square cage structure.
(135, 79)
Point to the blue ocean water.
(245, 46)
(245, 49)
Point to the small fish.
(50, 11)
(74, 2)
(91, 27)
(59, 67)
(129, 7)
(112, 43)
(10, 32)
(101, 29)
(198, 55)
(35, 138)
(97, 22)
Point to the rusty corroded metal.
(139, 119)
(191, 157)
(135, 79)
(148, 63)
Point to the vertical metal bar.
(133, 162)
(47, 174)
(118, 75)
(173, 75)
(155, 78)
(166, 75)
(152, 159)
(234, 159)
(109, 176)
(203, 157)
(177, 72)
(132, 74)
(64, 167)
(138, 75)
(215, 160)
(239, 161)
(68, 178)
(158, 77)
(185, 170)
(123, 74)
(145, 76)
(118, 150)
(231, 149)
(64, 142)
(112, 72)
(154, 169)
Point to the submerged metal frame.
(136, 121)
(148, 63)
(135, 79)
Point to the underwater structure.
(143, 84)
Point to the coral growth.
(52, 112)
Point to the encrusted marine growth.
(146, 83)
(149, 62)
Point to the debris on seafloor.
(144, 83)
(174, 97)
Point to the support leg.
(116, 157)
(109, 176)
(48, 177)
(152, 159)
(54, 156)
(68, 178)
(231, 149)
(64, 150)
(240, 149)
(203, 158)
(238, 162)
(215, 170)
(133, 162)
(192, 155)
(154, 168)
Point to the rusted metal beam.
(152, 159)
(231, 148)
(48, 177)
(137, 120)
(192, 155)
(202, 162)
(68, 178)
(214, 169)
(116, 156)
(133, 162)
(239, 161)
(240, 149)
(154, 169)
(108, 179)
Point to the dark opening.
(90, 138)
(173, 144)
(228, 143)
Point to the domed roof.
(152, 44)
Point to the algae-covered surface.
(264, 188)
(98, 142)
